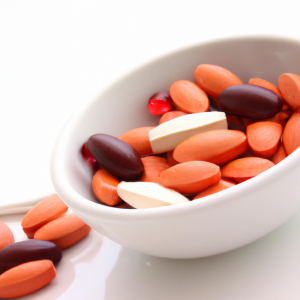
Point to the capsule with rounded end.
(26, 278)
(64, 232)
(115, 156)
(21, 252)
(250, 101)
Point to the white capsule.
(148, 194)
(168, 135)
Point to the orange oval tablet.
(170, 158)
(215, 188)
(171, 115)
(216, 146)
(190, 177)
(189, 97)
(245, 168)
(214, 79)
(138, 139)
(267, 85)
(289, 86)
(105, 188)
(291, 134)
(6, 235)
(26, 278)
(279, 155)
(264, 137)
(45, 211)
(153, 166)
(64, 232)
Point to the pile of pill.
(212, 135)
(28, 265)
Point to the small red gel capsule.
(160, 103)
(88, 158)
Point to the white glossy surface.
(165, 137)
(148, 194)
(218, 223)
(99, 269)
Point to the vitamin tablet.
(153, 166)
(291, 134)
(138, 139)
(279, 155)
(45, 211)
(250, 101)
(189, 97)
(264, 138)
(190, 177)
(168, 135)
(267, 85)
(25, 251)
(217, 146)
(6, 235)
(214, 79)
(115, 156)
(289, 86)
(64, 232)
(26, 278)
(170, 158)
(171, 115)
(148, 195)
(215, 188)
(246, 168)
(105, 188)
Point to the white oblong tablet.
(148, 194)
(166, 136)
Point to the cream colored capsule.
(148, 194)
(168, 135)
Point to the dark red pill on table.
(160, 103)
(116, 157)
(250, 101)
(25, 251)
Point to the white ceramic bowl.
(212, 225)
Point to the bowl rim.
(108, 213)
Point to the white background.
(55, 55)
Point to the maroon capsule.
(250, 101)
(116, 157)
(21, 252)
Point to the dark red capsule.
(21, 252)
(160, 103)
(116, 157)
(232, 126)
(250, 101)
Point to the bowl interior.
(123, 105)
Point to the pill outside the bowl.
(148, 194)
(264, 138)
(6, 235)
(215, 79)
(138, 139)
(105, 188)
(171, 115)
(168, 135)
(250, 101)
(267, 85)
(217, 146)
(246, 167)
(215, 188)
(64, 232)
(21, 252)
(189, 97)
(45, 211)
(26, 278)
(291, 134)
(190, 177)
(115, 156)
(153, 166)
(289, 86)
